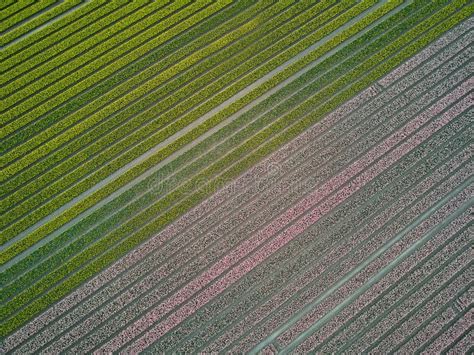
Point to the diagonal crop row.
(140, 203)
(36, 37)
(176, 48)
(233, 90)
(438, 280)
(430, 259)
(34, 50)
(381, 64)
(295, 343)
(119, 36)
(46, 148)
(285, 338)
(42, 19)
(9, 23)
(5, 4)
(351, 233)
(54, 45)
(122, 61)
(17, 182)
(98, 39)
(109, 124)
(382, 222)
(415, 331)
(125, 59)
(242, 45)
(55, 82)
(449, 334)
(433, 266)
(14, 9)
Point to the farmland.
(236, 176)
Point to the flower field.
(236, 176)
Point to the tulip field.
(249, 176)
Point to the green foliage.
(37, 21)
(36, 37)
(35, 48)
(33, 74)
(95, 75)
(22, 15)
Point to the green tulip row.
(14, 9)
(138, 26)
(99, 69)
(34, 38)
(40, 20)
(177, 48)
(34, 50)
(110, 31)
(24, 14)
(5, 4)
(106, 141)
(90, 122)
